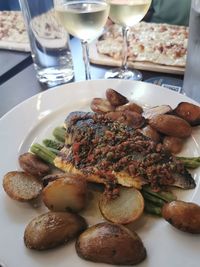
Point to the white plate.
(33, 120)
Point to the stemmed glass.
(83, 19)
(126, 13)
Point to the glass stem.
(125, 48)
(85, 50)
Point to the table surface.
(19, 82)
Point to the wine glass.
(126, 13)
(83, 19)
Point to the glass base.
(124, 74)
(55, 76)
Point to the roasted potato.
(112, 244)
(66, 193)
(171, 125)
(52, 229)
(51, 177)
(101, 105)
(131, 107)
(189, 112)
(22, 186)
(158, 110)
(185, 216)
(125, 208)
(115, 98)
(173, 144)
(128, 117)
(30, 163)
(151, 133)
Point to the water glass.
(49, 42)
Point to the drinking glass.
(126, 13)
(83, 19)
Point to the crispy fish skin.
(100, 149)
(123, 178)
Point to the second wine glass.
(83, 19)
(126, 13)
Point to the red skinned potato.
(52, 229)
(173, 144)
(131, 107)
(30, 163)
(185, 216)
(110, 243)
(127, 117)
(171, 125)
(115, 98)
(189, 112)
(101, 105)
(151, 133)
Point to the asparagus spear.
(164, 195)
(149, 207)
(53, 144)
(59, 134)
(190, 162)
(154, 199)
(43, 153)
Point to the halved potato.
(51, 229)
(22, 186)
(110, 243)
(124, 209)
(66, 193)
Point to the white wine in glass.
(126, 13)
(83, 19)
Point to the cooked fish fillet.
(111, 152)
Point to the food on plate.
(125, 208)
(189, 112)
(30, 163)
(101, 105)
(110, 152)
(185, 216)
(68, 192)
(190, 162)
(164, 44)
(171, 125)
(116, 99)
(22, 186)
(51, 177)
(110, 243)
(151, 133)
(149, 113)
(52, 229)
(128, 117)
(173, 144)
(130, 106)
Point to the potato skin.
(189, 112)
(101, 105)
(110, 243)
(115, 98)
(52, 229)
(131, 107)
(151, 133)
(69, 192)
(173, 144)
(30, 163)
(171, 125)
(185, 216)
